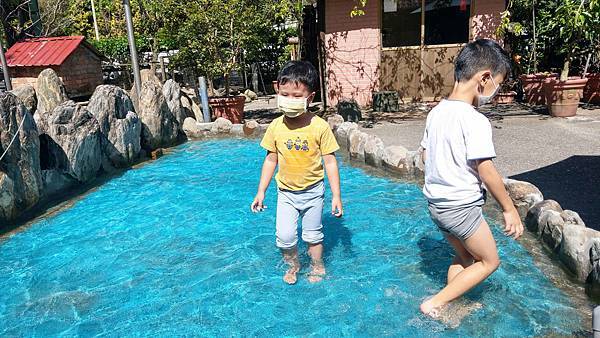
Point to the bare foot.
(317, 273)
(429, 308)
(452, 313)
(290, 276)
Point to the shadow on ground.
(574, 183)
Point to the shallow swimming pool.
(172, 249)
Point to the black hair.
(480, 55)
(299, 72)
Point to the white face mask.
(292, 107)
(481, 99)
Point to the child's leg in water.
(461, 260)
(290, 256)
(482, 246)
(315, 251)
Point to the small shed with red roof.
(76, 62)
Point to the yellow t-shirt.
(299, 152)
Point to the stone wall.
(562, 232)
(64, 145)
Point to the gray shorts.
(461, 221)
(306, 205)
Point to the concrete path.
(560, 156)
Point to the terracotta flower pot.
(591, 92)
(563, 97)
(533, 87)
(231, 108)
(505, 97)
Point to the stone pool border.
(562, 232)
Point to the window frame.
(422, 45)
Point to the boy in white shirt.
(458, 153)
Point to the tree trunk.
(226, 85)
(211, 86)
(564, 75)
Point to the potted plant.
(519, 27)
(575, 25)
(591, 92)
(508, 91)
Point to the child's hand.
(257, 204)
(336, 207)
(512, 223)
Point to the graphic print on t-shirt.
(298, 144)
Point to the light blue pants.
(305, 204)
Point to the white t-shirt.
(455, 136)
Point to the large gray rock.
(56, 183)
(251, 128)
(146, 75)
(523, 194)
(149, 75)
(190, 105)
(395, 158)
(571, 217)
(342, 132)
(27, 95)
(8, 198)
(575, 249)
(551, 228)
(159, 127)
(20, 172)
(356, 144)
(50, 91)
(335, 121)
(120, 126)
(173, 95)
(70, 142)
(594, 277)
(374, 150)
(414, 163)
(533, 219)
(221, 126)
(193, 129)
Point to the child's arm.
(266, 175)
(333, 174)
(493, 181)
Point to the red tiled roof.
(43, 51)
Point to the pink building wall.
(352, 51)
(353, 45)
(485, 18)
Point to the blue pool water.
(171, 249)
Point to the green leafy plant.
(219, 36)
(117, 49)
(575, 27)
(359, 8)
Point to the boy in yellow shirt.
(299, 142)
